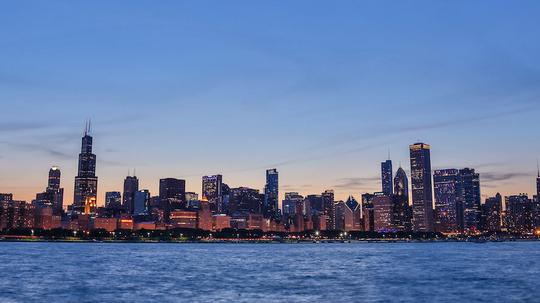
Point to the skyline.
(320, 94)
(420, 161)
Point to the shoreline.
(245, 241)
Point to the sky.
(321, 90)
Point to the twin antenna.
(88, 127)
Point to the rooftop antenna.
(538, 168)
(129, 173)
(389, 154)
(89, 125)
(134, 172)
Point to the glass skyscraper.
(386, 177)
(422, 192)
(271, 194)
(446, 182)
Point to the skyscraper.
(401, 184)
(469, 198)
(141, 202)
(328, 208)
(131, 186)
(271, 194)
(538, 186)
(519, 216)
(422, 192)
(447, 211)
(86, 182)
(212, 192)
(173, 190)
(492, 213)
(386, 177)
(53, 196)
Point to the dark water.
(441, 272)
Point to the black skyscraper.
(85, 192)
(538, 186)
(386, 178)
(469, 197)
(173, 190)
(131, 186)
(422, 191)
(54, 190)
(271, 194)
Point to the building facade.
(86, 181)
(422, 192)
(387, 178)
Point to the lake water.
(394, 272)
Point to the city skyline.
(424, 195)
(320, 94)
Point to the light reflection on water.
(398, 272)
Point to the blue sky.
(322, 90)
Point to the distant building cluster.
(445, 200)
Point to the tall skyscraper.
(131, 186)
(386, 177)
(212, 192)
(469, 198)
(538, 186)
(422, 192)
(86, 181)
(401, 184)
(271, 194)
(53, 196)
(447, 211)
(328, 209)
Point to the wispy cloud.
(356, 182)
(498, 177)
(22, 126)
(30, 147)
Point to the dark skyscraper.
(328, 209)
(212, 192)
(173, 190)
(492, 213)
(422, 192)
(271, 194)
(86, 182)
(469, 198)
(386, 177)
(538, 186)
(131, 186)
(53, 196)
(401, 184)
(446, 183)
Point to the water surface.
(393, 272)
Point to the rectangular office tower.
(271, 194)
(386, 178)
(212, 192)
(422, 192)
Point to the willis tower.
(85, 193)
